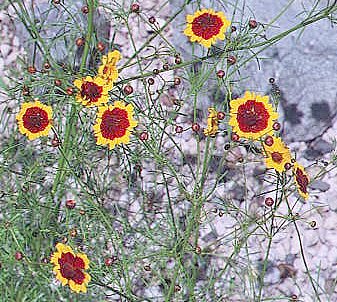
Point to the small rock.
(312, 154)
(323, 146)
(209, 237)
(333, 203)
(330, 221)
(321, 257)
(16, 41)
(329, 237)
(11, 58)
(286, 270)
(294, 245)
(290, 258)
(224, 224)
(310, 237)
(5, 49)
(332, 255)
(299, 264)
(319, 185)
(289, 286)
(272, 276)
(330, 286)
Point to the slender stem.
(270, 239)
(305, 262)
(325, 13)
(70, 126)
(170, 205)
(130, 299)
(148, 41)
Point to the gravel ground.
(286, 272)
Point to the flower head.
(92, 91)
(114, 124)
(252, 116)
(277, 155)
(212, 122)
(108, 69)
(206, 26)
(301, 180)
(69, 268)
(34, 119)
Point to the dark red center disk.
(35, 119)
(277, 157)
(91, 91)
(302, 180)
(206, 25)
(252, 116)
(114, 123)
(71, 267)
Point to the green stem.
(71, 121)
(158, 32)
(192, 227)
(270, 239)
(324, 14)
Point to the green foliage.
(145, 203)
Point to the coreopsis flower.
(69, 268)
(301, 180)
(114, 124)
(93, 91)
(278, 154)
(252, 116)
(108, 70)
(34, 119)
(212, 122)
(206, 26)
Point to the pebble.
(328, 237)
(332, 256)
(11, 58)
(319, 185)
(330, 221)
(312, 154)
(310, 237)
(332, 200)
(320, 244)
(295, 245)
(323, 146)
(224, 224)
(299, 264)
(273, 275)
(330, 285)
(5, 49)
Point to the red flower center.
(35, 119)
(302, 180)
(105, 69)
(206, 25)
(277, 157)
(252, 116)
(91, 91)
(71, 267)
(114, 123)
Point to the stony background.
(304, 67)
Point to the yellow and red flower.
(92, 91)
(114, 124)
(69, 268)
(278, 154)
(34, 119)
(206, 26)
(108, 70)
(252, 116)
(302, 180)
(212, 122)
